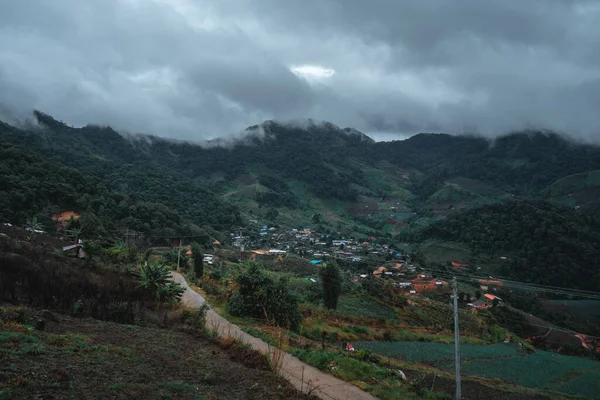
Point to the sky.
(196, 69)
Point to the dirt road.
(304, 377)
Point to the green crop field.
(542, 369)
(573, 183)
(364, 307)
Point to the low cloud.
(197, 69)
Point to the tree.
(198, 260)
(317, 218)
(259, 296)
(332, 284)
(272, 214)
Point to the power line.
(524, 285)
(549, 326)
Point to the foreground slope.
(76, 358)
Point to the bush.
(195, 318)
(359, 330)
(259, 296)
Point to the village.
(382, 261)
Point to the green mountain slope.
(573, 183)
(549, 244)
(520, 163)
(292, 174)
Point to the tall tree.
(332, 284)
(198, 260)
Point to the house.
(459, 264)
(277, 252)
(490, 282)
(478, 304)
(74, 250)
(491, 297)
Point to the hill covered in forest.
(337, 180)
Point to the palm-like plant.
(33, 226)
(156, 278)
(74, 233)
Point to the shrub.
(156, 278)
(259, 296)
(359, 330)
(195, 318)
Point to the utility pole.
(179, 254)
(456, 339)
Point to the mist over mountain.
(309, 173)
(491, 69)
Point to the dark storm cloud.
(196, 69)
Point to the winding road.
(304, 377)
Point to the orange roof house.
(63, 218)
(490, 282)
(491, 297)
(459, 264)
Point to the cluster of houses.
(405, 277)
(310, 244)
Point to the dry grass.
(82, 358)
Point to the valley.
(308, 237)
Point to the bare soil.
(90, 359)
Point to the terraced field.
(364, 307)
(540, 370)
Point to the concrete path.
(304, 377)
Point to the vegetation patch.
(365, 307)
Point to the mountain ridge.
(340, 164)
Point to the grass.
(475, 187)
(442, 252)
(365, 307)
(363, 373)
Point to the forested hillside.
(303, 173)
(520, 163)
(546, 243)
